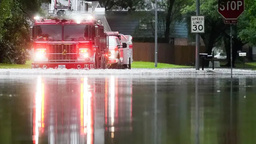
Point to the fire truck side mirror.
(124, 45)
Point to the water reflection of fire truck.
(118, 107)
(72, 39)
(63, 112)
(81, 110)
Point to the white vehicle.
(114, 46)
(120, 52)
(127, 54)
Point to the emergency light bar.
(78, 18)
(113, 33)
(99, 11)
(37, 17)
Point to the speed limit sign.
(197, 24)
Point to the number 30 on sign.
(197, 24)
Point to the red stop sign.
(231, 9)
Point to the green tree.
(247, 23)
(173, 13)
(108, 4)
(5, 13)
(29, 7)
(16, 38)
(129, 5)
(14, 29)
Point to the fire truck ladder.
(61, 7)
(100, 15)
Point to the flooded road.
(127, 110)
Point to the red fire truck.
(62, 43)
(71, 40)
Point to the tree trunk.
(209, 41)
(10, 59)
(237, 45)
(168, 20)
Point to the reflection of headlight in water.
(112, 101)
(86, 110)
(39, 110)
(112, 129)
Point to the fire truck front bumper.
(62, 65)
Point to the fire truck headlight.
(84, 53)
(112, 54)
(40, 54)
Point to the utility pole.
(231, 52)
(155, 33)
(197, 37)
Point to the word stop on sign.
(230, 5)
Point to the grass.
(140, 64)
(251, 65)
(27, 65)
(136, 64)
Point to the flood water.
(127, 110)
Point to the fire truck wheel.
(97, 63)
(119, 65)
(103, 66)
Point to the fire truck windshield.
(76, 32)
(47, 32)
(113, 41)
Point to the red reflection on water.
(116, 96)
(86, 111)
(131, 102)
(65, 112)
(118, 109)
(106, 100)
(39, 110)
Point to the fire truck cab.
(61, 43)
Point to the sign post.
(230, 10)
(197, 26)
(231, 52)
(156, 33)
